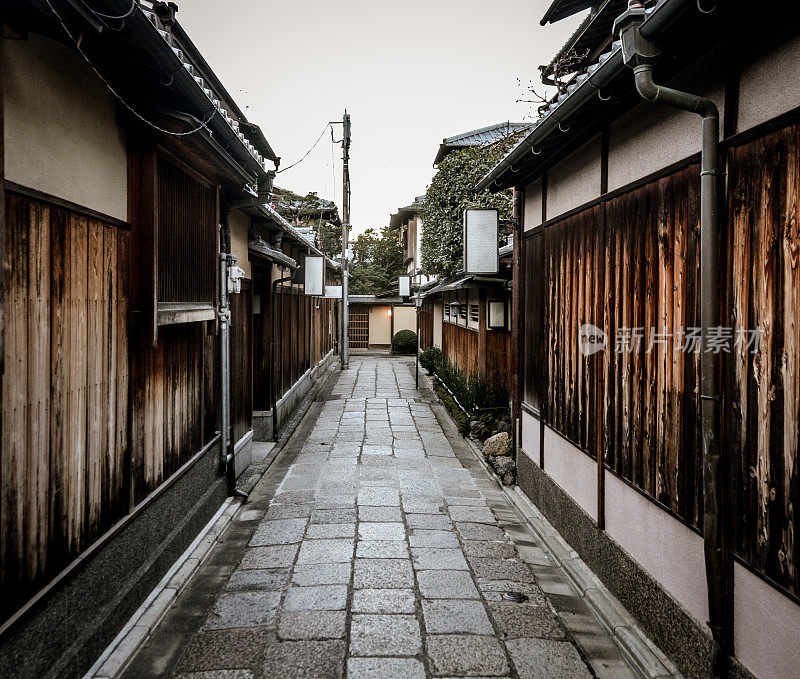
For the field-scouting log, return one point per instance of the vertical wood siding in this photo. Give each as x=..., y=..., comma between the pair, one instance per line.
x=64, y=406
x=632, y=262
x=762, y=398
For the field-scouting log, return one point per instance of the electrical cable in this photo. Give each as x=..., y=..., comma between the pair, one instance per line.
x=111, y=16
x=203, y=123
x=305, y=155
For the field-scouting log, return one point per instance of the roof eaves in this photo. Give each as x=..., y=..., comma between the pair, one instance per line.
x=181, y=46
x=276, y=217
x=585, y=86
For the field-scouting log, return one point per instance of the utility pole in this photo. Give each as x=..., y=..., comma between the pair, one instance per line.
x=345, y=235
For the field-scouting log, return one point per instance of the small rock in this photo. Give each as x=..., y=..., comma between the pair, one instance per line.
x=504, y=467
x=499, y=444
x=504, y=427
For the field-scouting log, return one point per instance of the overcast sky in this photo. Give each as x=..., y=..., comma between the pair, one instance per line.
x=409, y=73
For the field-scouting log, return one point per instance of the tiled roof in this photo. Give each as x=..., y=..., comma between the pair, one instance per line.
x=483, y=136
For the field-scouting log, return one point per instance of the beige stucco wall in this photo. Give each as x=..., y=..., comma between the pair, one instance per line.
x=61, y=132
x=766, y=627
x=575, y=180
x=532, y=210
x=240, y=224
x=651, y=137
x=380, y=325
x=405, y=318
x=768, y=86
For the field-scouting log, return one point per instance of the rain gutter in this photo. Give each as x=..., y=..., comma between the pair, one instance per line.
x=608, y=70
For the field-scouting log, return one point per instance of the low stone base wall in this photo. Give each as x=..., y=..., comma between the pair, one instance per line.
x=67, y=630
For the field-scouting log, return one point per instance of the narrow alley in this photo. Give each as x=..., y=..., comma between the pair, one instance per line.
x=377, y=546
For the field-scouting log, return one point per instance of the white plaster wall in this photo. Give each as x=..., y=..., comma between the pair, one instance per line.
x=380, y=325
x=532, y=210
x=571, y=469
x=438, y=311
x=575, y=180
x=61, y=131
x=766, y=627
x=530, y=436
x=768, y=86
x=240, y=224
x=662, y=545
x=650, y=136
x=405, y=318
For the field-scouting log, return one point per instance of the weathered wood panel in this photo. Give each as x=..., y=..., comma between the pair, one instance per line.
x=630, y=267
x=65, y=390
x=460, y=347
x=622, y=267
x=763, y=386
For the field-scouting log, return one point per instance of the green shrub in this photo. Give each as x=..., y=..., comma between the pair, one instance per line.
x=429, y=357
x=404, y=342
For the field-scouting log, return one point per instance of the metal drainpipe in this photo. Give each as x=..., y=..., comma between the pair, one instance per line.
x=639, y=53
x=226, y=260
x=274, y=403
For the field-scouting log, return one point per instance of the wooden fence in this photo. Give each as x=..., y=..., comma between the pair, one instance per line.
x=629, y=266
x=65, y=390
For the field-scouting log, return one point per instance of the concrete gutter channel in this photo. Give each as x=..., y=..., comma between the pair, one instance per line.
x=136, y=632
x=644, y=656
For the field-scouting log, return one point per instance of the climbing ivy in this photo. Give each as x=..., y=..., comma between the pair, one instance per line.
x=451, y=191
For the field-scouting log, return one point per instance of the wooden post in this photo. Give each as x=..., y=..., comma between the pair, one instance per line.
x=517, y=322
x=482, y=367
x=2, y=216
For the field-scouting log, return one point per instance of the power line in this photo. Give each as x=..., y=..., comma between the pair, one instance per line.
x=305, y=155
x=203, y=123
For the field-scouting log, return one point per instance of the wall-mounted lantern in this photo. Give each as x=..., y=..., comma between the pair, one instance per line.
x=404, y=286
x=481, y=251
x=497, y=314
x=314, y=271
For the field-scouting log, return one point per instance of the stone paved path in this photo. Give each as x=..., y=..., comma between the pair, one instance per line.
x=372, y=549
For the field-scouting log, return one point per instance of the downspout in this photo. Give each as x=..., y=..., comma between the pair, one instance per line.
x=274, y=403
x=226, y=260
x=639, y=53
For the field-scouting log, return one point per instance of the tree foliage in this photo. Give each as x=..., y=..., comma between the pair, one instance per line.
x=377, y=261
x=452, y=190
x=315, y=212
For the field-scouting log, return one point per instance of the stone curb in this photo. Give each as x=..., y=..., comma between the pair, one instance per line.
x=137, y=630
x=645, y=657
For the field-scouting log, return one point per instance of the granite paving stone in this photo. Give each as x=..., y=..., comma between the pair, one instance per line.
x=466, y=655
x=322, y=574
x=315, y=598
x=383, y=573
x=376, y=635
x=376, y=546
x=426, y=558
x=545, y=659
x=463, y=616
x=383, y=601
x=382, y=549
x=385, y=668
x=312, y=625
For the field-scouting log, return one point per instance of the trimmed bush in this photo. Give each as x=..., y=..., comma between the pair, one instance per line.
x=404, y=342
x=429, y=357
